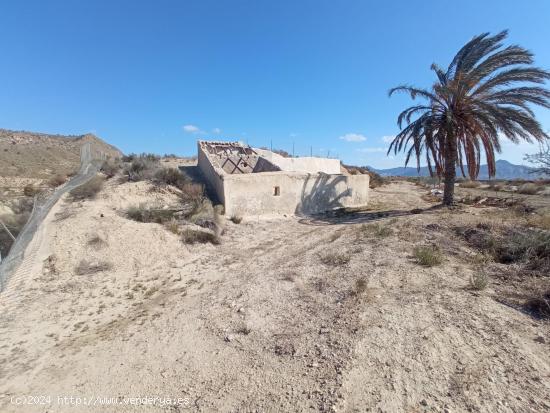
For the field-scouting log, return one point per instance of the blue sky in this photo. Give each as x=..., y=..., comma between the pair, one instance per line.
x=312, y=73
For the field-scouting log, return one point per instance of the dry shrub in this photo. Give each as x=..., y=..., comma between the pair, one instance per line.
x=30, y=190
x=539, y=306
x=87, y=190
x=57, y=180
x=192, y=236
x=529, y=247
x=171, y=176
x=236, y=219
x=541, y=220
x=141, y=167
x=479, y=280
x=529, y=189
x=173, y=226
x=479, y=237
x=92, y=267
x=144, y=213
x=360, y=287
x=335, y=259
x=428, y=255
x=375, y=230
x=469, y=184
x=110, y=168
x=193, y=193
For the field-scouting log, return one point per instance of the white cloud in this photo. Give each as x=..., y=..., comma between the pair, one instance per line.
x=372, y=150
x=388, y=138
x=217, y=131
x=191, y=129
x=353, y=137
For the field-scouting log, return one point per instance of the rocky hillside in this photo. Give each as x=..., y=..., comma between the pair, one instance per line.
x=41, y=156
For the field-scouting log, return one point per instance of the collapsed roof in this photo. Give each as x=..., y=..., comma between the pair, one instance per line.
x=235, y=158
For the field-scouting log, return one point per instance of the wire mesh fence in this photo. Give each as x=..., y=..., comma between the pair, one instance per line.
x=41, y=208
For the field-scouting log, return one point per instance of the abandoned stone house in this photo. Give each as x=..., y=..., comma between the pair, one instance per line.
x=251, y=181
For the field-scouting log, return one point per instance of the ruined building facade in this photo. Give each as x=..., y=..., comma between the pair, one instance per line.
x=250, y=181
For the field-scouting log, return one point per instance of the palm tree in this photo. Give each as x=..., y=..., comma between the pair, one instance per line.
x=485, y=94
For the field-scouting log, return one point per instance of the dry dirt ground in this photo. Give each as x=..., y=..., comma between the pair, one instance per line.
x=259, y=322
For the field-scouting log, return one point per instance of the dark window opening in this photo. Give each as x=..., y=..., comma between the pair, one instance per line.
x=276, y=191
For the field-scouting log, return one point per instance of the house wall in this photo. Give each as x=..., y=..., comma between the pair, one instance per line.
x=304, y=164
x=213, y=176
x=299, y=193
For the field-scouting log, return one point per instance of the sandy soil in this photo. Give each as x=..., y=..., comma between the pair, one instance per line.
x=259, y=323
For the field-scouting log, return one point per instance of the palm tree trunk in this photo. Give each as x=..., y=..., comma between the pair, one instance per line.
x=450, y=170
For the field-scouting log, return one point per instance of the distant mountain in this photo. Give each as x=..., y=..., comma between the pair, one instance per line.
x=505, y=170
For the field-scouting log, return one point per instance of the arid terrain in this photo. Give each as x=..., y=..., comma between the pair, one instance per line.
x=33, y=164
x=332, y=313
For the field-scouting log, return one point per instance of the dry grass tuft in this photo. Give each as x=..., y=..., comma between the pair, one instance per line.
x=173, y=226
x=192, y=236
x=57, y=180
x=144, y=213
x=428, y=255
x=360, y=287
x=541, y=220
x=375, y=230
x=335, y=259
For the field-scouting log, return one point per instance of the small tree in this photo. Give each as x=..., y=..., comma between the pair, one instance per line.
x=541, y=160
